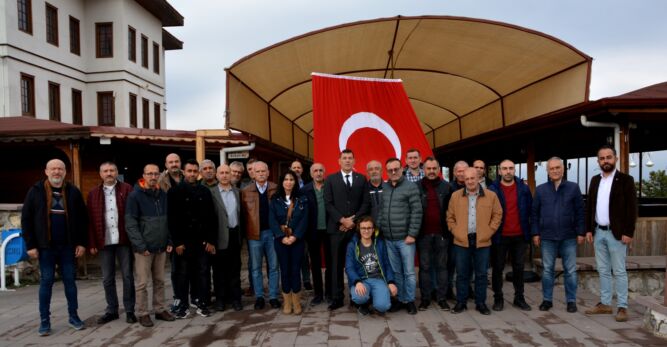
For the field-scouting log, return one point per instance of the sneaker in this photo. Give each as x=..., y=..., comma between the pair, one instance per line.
x=76, y=323
x=274, y=303
x=259, y=304
x=411, y=308
x=600, y=308
x=175, y=306
x=424, y=304
x=572, y=307
x=498, y=304
x=45, y=327
x=145, y=321
x=622, y=315
x=203, y=311
x=130, y=318
x=546, y=305
x=107, y=317
x=165, y=316
x=182, y=313
x=363, y=310
x=443, y=305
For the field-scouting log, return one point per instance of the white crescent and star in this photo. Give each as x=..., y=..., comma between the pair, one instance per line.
x=370, y=120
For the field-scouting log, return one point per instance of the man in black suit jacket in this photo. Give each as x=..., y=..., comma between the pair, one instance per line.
x=611, y=215
x=346, y=198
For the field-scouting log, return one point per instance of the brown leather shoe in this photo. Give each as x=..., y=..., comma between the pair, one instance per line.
x=146, y=321
x=600, y=308
x=164, y=315
x=622, y=315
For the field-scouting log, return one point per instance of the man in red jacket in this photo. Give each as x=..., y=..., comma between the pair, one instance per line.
x=107, y=236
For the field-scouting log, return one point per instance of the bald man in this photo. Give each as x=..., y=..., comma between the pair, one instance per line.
x=55, y=228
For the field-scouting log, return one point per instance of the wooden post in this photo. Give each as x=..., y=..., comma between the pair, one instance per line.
x=530, y=165
x=624, y=145
x=200, y=146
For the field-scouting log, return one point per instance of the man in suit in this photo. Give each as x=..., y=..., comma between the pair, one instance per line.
x=227, y=259
x=346, y=198
x=610, y=218
x=317, y=233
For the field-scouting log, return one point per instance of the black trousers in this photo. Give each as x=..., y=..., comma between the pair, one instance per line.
x=192, y=271
x=337, y=246
x=515, y=246
x=317, y=241
x=433, y=250
x=227, y=269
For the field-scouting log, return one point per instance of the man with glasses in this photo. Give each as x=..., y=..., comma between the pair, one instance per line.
x=399, y=221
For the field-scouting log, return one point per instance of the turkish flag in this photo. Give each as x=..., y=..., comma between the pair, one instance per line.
x=372, y=117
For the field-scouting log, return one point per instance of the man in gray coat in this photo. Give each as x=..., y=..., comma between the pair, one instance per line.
x=400, y=220
x=227, y=259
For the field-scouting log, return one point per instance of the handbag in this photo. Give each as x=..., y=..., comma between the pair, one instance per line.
x=285, y=228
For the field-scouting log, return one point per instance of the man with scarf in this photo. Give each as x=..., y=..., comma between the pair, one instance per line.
x=55, y=225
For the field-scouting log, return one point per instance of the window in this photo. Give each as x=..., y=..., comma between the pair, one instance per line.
x=51, y=24
x=145, y=111
x=144, y=51
x=54, y=101
x=25, y=15
x=132, y=44
x=77, y=107
x=104, y=40
x=74, y=36
x=156, y=115
x=105, y=109
x=133, y=110
x=27, y=95
x=156, y=58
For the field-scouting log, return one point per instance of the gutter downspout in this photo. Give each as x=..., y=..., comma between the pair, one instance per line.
x=617, y=133
x=224, y=151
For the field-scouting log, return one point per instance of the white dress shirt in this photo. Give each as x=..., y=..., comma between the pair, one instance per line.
x=602, y=204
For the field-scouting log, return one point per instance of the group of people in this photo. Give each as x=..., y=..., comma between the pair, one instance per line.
x=370, y=229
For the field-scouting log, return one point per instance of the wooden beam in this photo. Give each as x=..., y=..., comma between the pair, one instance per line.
x=624, y=145
x=530, y=165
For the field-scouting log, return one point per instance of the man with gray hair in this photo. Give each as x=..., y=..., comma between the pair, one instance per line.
x=317, y=233
x=458, y=183
x=374, y=172
x=459, y=174
x=237, y=170
x=207, y=172
x=559, y=208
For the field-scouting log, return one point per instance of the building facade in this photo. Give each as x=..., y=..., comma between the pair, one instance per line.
x=86, y=62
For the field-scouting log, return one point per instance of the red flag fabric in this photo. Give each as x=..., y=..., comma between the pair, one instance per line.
x=372, y=117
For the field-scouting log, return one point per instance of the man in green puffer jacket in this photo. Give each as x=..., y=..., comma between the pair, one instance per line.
x=400, y=219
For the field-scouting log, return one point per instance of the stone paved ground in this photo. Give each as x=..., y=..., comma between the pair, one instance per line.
x=318, y=327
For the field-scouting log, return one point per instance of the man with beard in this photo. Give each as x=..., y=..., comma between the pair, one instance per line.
x=193, y=227
x=317, y=233
x=55, y=226
x=172, y=175
x=513, y=234
x=237, y=170
x=610, y=217
x=374, y=172
x=207, y=172
x=434, y=238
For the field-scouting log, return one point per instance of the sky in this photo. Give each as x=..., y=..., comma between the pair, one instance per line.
x=627, y=39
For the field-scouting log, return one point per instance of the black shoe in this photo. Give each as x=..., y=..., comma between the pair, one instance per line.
x=423, y=306
x=259, y=304
x=237, y=305
x=498, y=304
x=274, y=303
x=396, y=306
x=443, y=305
x=483, y=309
x=328, y=299
x=335, y=304
x=106, y=318
x=363, y=309
x=411, y=308
x=521, y=303
x=130, y=318
x=572, y=307
x=317, y=299
x=307, y=286
x=459, y=307
x=546, y=305
x=219, y=306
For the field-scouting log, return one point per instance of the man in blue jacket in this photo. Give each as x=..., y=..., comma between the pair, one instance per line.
x=558, y=226
x=513, y=234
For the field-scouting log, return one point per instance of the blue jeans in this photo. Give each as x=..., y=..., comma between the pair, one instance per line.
x=402, y=260
x=48, y=258
x=480, y=264
x=259, y=249
x=568, y=251
x=610, y=257
x=108, y=256
x=377, y=289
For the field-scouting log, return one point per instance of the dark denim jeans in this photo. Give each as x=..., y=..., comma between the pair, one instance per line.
x=480, y=263
x=433, y=251
x=108, y=256
x=290, y=259
x=48, y=258
x=515, y=246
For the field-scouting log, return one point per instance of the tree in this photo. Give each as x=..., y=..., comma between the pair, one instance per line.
x=656, y=185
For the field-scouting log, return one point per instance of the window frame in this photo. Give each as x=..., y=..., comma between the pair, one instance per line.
x=51, y=25
x=156, y=57
x=145, y=112
x=144, y=51
x=156, y=115
x=31, y=94
x=131, y=44
x=77, y=106
x=54, y=101
x=74, y=36
x=100, y=109
x=133, y=110
x=98, y=40
x=27, y=14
